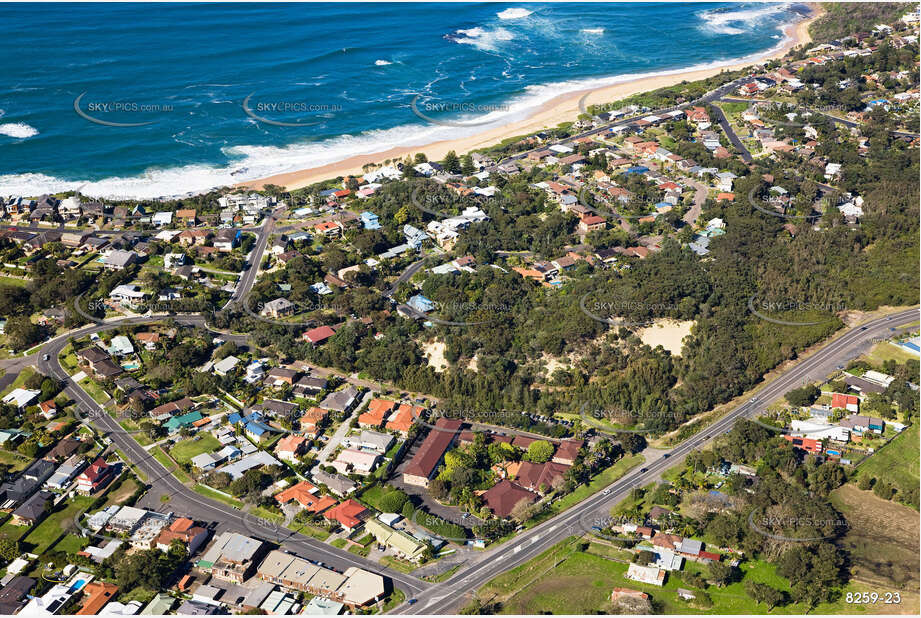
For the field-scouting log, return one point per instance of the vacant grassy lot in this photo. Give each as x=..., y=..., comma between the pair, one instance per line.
x=49, y=529
x=184, y=451
x=897, y=462
x=882, y=539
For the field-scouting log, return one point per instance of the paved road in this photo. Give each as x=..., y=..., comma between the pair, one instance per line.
x=184, y=500
x=254, y=262
x=448, y=596
x=733, y=138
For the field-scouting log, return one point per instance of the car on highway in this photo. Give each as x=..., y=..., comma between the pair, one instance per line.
x=665, y=455
x=644, y=469
x=412, y=601
x=753, y=399
x=606, y=491
x=45, y=357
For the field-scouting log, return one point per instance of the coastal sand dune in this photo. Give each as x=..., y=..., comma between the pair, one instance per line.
x=560, y=109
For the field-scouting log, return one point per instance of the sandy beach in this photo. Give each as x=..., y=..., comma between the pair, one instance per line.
x=555, y=111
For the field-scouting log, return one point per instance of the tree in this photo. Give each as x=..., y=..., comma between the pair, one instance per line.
x=393, y=501
x=467, y=167
x=763, y=593
x=451, y=163
x=720, y=573
x=644, y=557
x=22, y=333
x=539, y=451
x=9, y=548
x=865, y=482
x=803, y=396
x=633, y=442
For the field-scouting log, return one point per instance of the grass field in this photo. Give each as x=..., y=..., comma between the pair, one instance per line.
x=882, y=538
x=884, y=351
x=160, y=455
x=897, y=462
x=184, y=451
x=14, y=460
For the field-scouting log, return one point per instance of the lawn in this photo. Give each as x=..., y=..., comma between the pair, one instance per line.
x=184, y=451
x=214, y=495
x=897, y=462
x=884, y=351
x=49, y=529
x=397, y=565
x=20, y=380
x=71, y=544
x=14, y=460
x=160, y=455
x=312, y=531
x=394, y=599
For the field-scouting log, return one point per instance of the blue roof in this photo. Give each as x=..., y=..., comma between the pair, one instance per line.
x=421, y=303
x=257, y=429
x=234, y=418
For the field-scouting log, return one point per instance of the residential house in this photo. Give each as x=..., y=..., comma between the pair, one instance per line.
x=349, y=514
x=503, y=498
x=232, y=557
x=95, y=477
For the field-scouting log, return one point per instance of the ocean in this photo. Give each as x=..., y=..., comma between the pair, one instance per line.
x=150, y=100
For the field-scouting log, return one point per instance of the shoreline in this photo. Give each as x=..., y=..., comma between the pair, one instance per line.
x=562, y=108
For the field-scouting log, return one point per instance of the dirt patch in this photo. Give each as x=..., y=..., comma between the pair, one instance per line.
x=434, y=352
x=882, y=539
x=669, y=334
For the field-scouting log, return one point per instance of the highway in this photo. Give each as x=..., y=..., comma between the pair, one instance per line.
x=449, y=596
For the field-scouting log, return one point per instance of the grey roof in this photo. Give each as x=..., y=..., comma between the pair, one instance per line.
x=690, y=546
x=336, y=483
x=340, y=401
x=34, y=507
x=195, y=608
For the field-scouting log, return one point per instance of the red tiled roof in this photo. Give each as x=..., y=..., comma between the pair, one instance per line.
x=319, y=334
x=433, y=448
x=505, y=495
x=348, y=513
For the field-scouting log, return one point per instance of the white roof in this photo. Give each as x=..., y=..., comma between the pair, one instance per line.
x=226, y=364
x=127, y=291
x=21, y=397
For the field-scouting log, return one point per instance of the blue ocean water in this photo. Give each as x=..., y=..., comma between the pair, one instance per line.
x=320, y=82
